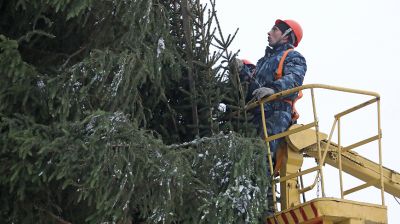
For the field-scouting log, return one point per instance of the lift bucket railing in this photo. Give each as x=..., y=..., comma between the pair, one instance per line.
x=323, y=152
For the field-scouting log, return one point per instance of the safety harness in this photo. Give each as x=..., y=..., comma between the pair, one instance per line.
x=278, y=75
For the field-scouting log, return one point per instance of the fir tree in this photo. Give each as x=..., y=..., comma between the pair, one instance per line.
x=109, y=113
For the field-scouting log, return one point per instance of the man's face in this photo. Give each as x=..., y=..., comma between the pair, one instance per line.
x=274, y=36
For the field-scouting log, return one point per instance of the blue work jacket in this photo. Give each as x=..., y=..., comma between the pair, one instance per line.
x=294, y=70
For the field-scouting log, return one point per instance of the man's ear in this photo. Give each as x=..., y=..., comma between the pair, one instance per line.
x=285, y=39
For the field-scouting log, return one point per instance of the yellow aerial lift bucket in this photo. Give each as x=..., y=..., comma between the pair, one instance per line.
x=307, y=140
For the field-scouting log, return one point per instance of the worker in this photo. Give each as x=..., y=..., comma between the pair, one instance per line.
x=246, y=70
x=284, y=35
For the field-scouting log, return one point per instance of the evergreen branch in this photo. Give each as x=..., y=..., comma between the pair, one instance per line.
x=72, y=55
x=58, y=218
x=200, y=140
x=27, y=37
x=51, y=214
x=195, y=142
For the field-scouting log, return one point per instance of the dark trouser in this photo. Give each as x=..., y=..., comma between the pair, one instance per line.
x=277, y=121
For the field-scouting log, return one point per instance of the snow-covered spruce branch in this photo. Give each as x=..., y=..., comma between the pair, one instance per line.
x=201, y=140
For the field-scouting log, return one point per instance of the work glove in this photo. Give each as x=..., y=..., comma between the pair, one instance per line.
x=263, y=92
x=239, y=64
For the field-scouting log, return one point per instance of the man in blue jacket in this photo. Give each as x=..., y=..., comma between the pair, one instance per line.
x=284, y=35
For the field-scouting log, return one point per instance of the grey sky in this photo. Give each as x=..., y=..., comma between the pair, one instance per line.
x=352, y=44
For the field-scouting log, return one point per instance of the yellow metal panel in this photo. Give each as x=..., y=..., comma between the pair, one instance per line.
x=353, y=221
x=290, y=189
x=332, y=210
x=335, y=208
x=303, y=139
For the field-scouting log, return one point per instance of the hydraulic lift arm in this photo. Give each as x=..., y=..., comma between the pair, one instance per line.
x=360, y=167
x=304, y=144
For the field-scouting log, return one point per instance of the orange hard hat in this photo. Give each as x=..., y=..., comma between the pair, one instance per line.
x=295, y=26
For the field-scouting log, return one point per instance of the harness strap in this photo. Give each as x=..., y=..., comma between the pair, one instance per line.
x=281, y=153
x=278, y=75
x=295, y=114
x=279, y=71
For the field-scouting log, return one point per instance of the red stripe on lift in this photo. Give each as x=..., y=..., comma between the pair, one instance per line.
x=314, y=209
x=303, y=214
x=285, y=218
x=294, y=216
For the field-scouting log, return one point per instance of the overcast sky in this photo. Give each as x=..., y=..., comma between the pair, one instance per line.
x=348, y=43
